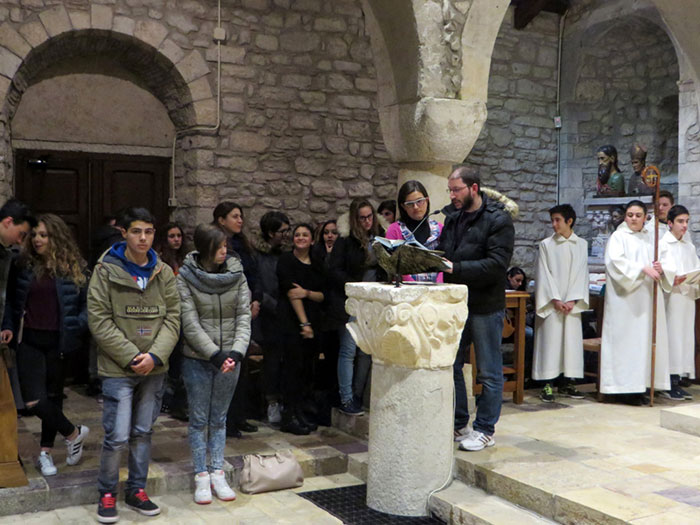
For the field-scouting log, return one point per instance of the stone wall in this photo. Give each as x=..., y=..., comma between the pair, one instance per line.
x=299, y=127
x=516, y=152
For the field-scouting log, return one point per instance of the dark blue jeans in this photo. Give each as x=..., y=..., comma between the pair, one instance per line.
x=485, y=332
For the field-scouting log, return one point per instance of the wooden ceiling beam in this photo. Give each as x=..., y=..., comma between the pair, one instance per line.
x=527, y=10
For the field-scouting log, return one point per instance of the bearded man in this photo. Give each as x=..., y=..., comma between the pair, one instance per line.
x=478, y=240
x=611, y=183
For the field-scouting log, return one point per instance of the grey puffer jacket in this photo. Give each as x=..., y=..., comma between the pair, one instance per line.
x=215, y=310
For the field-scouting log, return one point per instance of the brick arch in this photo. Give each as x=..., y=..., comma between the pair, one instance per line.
x=177, y=77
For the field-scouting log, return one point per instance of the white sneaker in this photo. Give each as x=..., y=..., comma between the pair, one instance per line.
x=274, y=414
x=202, y=488
x=75, y=447
x=476, y=441
x=46, y=464
x=220, y=487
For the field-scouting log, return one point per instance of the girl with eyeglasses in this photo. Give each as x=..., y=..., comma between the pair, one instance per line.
x=353, y=260
x=415, y=224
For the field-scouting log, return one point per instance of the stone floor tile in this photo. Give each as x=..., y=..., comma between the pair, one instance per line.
x=605, y=502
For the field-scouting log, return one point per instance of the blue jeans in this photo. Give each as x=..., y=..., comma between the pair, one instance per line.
x=209, y=394
x=485, y=332
x=131, y=406
x=350, y=380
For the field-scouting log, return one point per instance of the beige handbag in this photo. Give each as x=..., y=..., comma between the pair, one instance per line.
x=275, y=472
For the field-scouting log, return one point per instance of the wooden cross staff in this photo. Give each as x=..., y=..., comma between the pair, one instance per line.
x=651, y=177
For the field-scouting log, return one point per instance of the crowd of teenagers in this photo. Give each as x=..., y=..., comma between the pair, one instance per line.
x=177, y=326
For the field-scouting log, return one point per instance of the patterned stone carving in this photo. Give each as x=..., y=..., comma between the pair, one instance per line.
x=453, y=25
x=414, y=326
x=692, y=141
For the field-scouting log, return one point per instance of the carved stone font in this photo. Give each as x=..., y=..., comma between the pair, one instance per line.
x=412, y=333
x=415, y=326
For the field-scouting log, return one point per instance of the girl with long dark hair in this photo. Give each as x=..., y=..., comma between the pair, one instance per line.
x=171, y=246
x=415, y=224
x=228, y=217
x=301, y=284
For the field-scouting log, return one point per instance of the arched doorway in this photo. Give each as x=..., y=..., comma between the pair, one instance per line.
x=93, y=115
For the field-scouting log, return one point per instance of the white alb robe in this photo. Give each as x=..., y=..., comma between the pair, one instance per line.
x=678, y=258
x=562, y=274
x=626, y=341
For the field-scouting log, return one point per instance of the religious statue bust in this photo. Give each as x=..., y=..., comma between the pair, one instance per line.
x=636, y=185
x=610, y=183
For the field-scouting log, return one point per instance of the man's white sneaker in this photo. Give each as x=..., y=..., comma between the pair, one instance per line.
x=274, y=414
x=476, y=441
x=46, y=464
x=220, y=487
x=75, y=447
x=202, y=488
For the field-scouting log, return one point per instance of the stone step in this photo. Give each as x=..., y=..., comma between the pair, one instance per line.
x=684, y=418
x=465, y=505
x=80, y=488
x=356, y=426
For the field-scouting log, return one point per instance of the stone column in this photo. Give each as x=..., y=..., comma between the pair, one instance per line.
x=412, y=333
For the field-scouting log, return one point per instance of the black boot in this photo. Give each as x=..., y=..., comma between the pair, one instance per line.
x=305, y=421
x=291, y=424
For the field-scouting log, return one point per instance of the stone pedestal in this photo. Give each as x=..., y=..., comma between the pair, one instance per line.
x=412, y=333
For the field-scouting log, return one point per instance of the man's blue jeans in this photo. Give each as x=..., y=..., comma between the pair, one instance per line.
x=351, y=380
x=485, y=332
x=209, y=394
x=131, y=406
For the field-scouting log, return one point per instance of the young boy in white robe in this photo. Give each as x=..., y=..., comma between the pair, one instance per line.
x=630, y=272
x=678, y=257
x=561, y=295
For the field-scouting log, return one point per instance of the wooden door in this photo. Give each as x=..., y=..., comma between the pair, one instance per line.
x=83, y=188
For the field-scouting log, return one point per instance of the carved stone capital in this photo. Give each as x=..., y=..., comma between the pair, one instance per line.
x=432, y=129
x=413, y=326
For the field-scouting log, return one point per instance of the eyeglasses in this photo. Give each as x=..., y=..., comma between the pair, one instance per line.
x=456, y=190
x=284, y=231
x=366, y=218
x=416, y=203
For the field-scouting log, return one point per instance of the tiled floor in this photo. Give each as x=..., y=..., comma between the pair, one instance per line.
x=591, y=460
x=285, y=507
x=321, y=453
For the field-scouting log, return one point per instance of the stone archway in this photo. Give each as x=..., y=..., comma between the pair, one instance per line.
x=432, y=61
x=181, y=79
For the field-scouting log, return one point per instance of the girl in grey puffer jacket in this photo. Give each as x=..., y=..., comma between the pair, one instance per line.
x=216, y=327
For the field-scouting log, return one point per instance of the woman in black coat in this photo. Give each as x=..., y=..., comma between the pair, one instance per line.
x=47, y=298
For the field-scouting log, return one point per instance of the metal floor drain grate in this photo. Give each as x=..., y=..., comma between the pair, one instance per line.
x=349, y=505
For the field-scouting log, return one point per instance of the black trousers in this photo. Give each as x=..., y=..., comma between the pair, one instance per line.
x=297, y=372
x=41, y=374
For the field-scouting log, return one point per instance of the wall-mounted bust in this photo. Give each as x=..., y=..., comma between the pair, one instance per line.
x=610, y=183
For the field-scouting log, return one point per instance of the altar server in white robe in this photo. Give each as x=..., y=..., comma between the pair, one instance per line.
x=630, y=273
x=678, y=257
x=560, y=297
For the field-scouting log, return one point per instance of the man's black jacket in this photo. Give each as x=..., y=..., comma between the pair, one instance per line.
x=480, y=250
